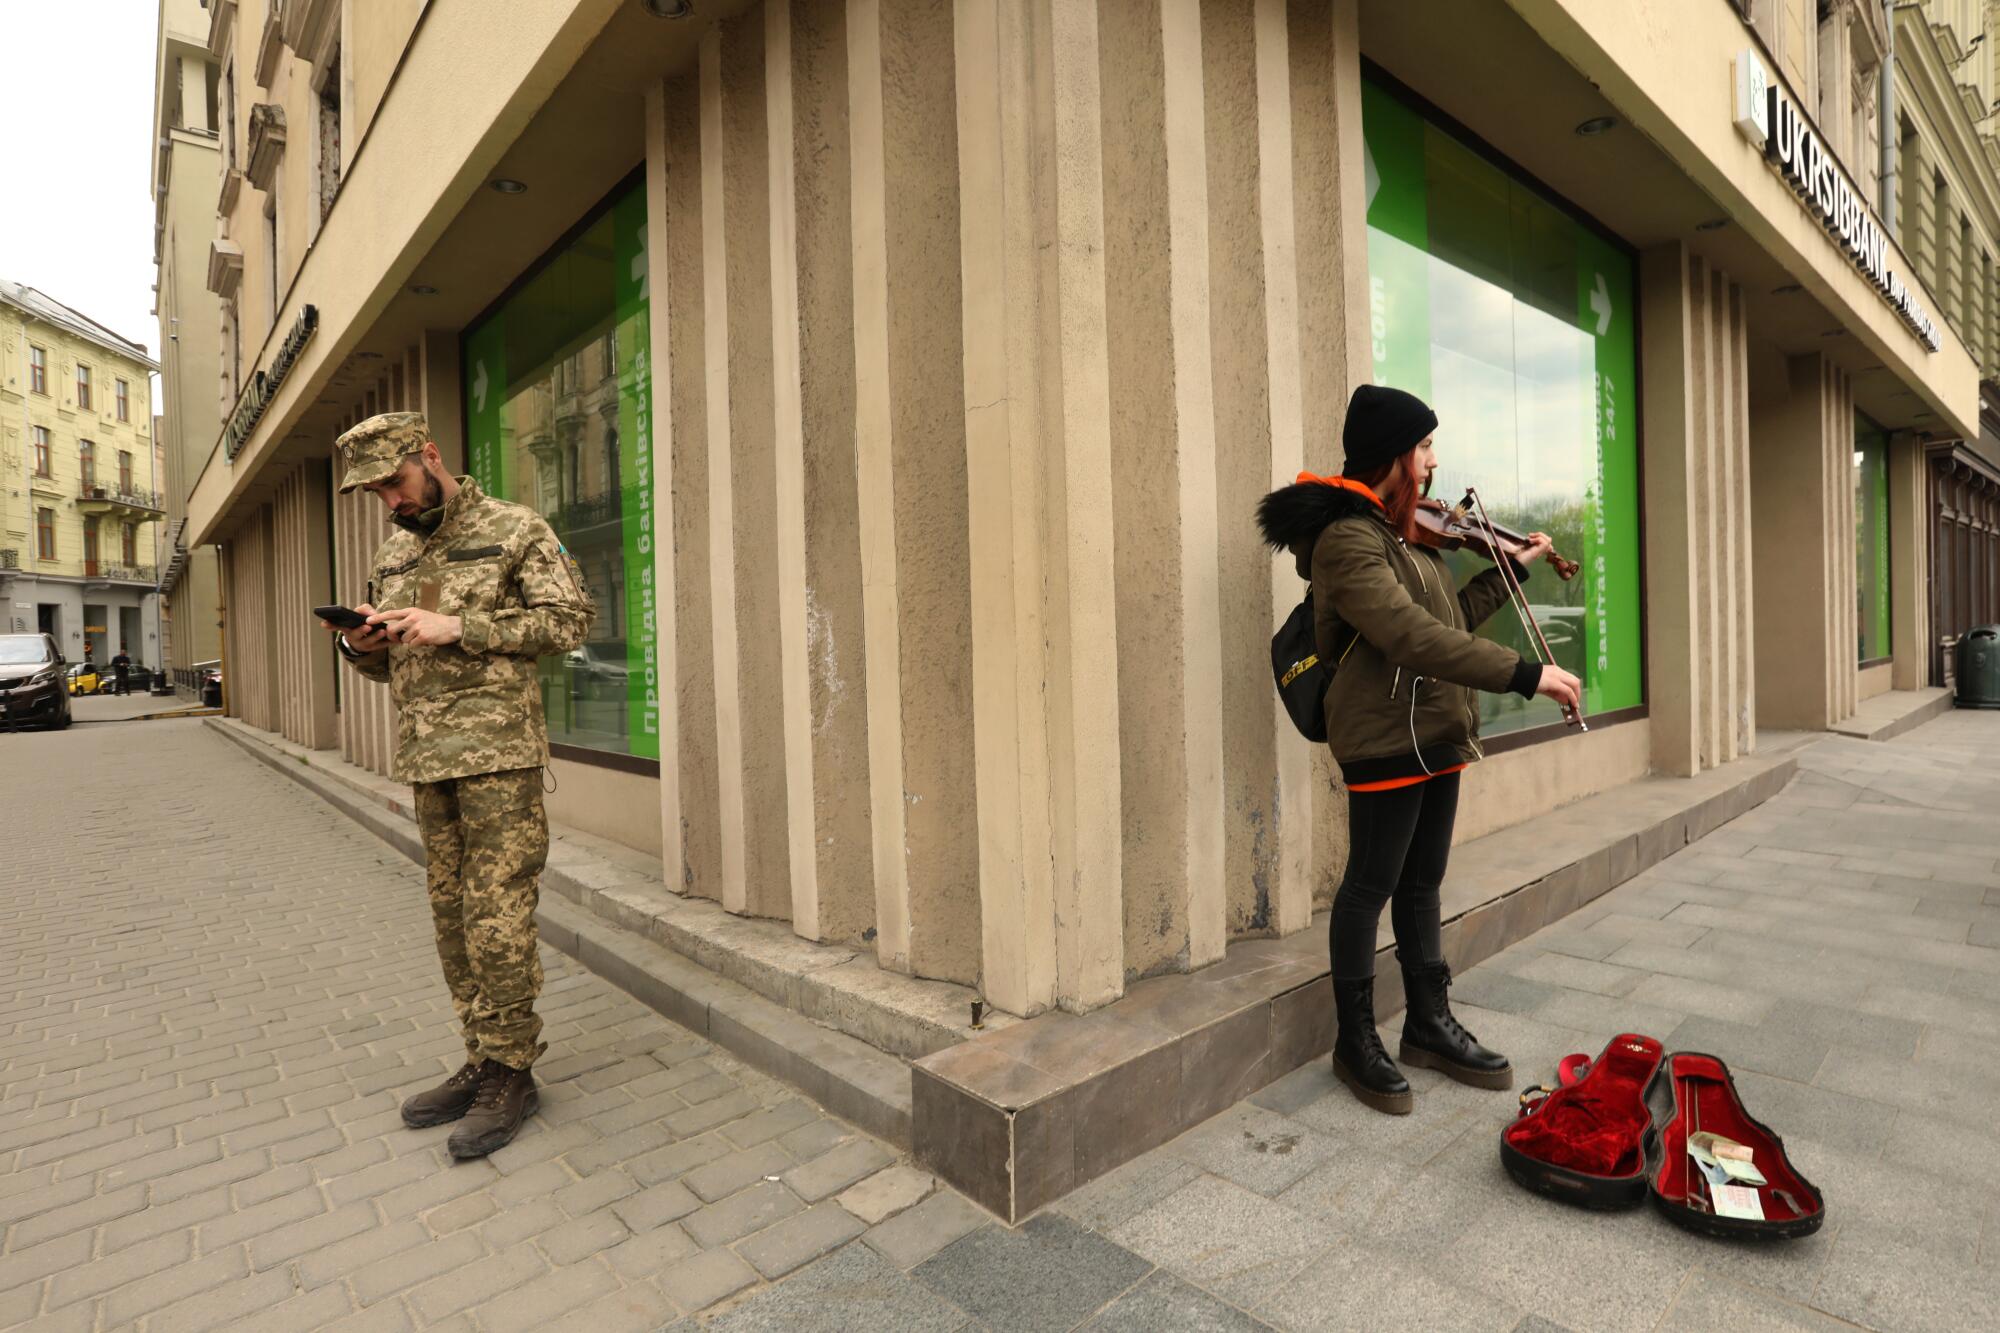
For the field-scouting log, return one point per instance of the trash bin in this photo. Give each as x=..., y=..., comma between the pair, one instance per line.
x=1979, y=667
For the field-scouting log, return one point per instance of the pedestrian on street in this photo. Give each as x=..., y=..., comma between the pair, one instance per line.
x=462, y=600
x=1402, y=721
x=121, y=672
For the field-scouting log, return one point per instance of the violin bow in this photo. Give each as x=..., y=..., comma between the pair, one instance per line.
x=1573, y=716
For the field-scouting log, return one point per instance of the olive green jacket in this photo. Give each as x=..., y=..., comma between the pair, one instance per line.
x=1399, y=633
x=475, y=706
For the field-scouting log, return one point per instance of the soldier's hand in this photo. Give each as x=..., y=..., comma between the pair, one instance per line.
x=366, y=639
x=412, y=624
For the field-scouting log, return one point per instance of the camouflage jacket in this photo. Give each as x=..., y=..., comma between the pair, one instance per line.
x=475, y=706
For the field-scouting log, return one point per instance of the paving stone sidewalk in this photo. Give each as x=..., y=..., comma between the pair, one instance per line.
x=212, y=998
x=215, y=990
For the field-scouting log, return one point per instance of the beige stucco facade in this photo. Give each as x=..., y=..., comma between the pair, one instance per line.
x=976, y=331
x=184, y=182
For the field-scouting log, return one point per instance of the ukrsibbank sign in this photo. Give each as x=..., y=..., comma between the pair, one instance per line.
x=1769, y=118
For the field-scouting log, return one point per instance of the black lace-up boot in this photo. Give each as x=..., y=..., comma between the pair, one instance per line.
x=1359, y=1060
x=446, y=1102
x=1433, y=1039
x=506, y=1097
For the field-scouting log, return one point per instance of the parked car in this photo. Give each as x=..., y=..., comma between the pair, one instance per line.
x=598, y=670
x=209, y=678
x=32, y=688
x=83, y=679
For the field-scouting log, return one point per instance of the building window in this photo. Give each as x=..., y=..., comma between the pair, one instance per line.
x=271, y=233
x=45, y=533
x=86, y=462
x=124, y=471
x=90, y=555
x=1871, y=540
x=122, y=394
x=38, y=370
x=1514, y=319
x=329, y=138
x=82, y=387
x=129, y=545
x=229, y=117
x=544, y=400
x=40, y=435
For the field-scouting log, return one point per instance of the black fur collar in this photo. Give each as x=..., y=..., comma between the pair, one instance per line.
x=1300, y=512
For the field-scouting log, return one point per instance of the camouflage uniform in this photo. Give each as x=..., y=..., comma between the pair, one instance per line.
x=471, y=738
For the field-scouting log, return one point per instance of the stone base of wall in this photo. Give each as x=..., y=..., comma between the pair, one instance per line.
x=1017, y=1119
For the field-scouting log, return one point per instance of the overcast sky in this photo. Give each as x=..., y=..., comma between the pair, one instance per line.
x=76, y=101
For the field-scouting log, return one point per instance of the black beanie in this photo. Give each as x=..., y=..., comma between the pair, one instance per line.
x=1382, y=424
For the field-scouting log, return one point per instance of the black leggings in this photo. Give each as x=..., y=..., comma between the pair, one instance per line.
x=1399, y=842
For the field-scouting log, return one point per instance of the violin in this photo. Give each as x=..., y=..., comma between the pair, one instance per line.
x=1466, y=525
x=1452, y=527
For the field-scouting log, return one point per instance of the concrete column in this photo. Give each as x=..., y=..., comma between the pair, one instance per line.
x=315, y=567
x=1668, y=361
x=1804, y=639
x=1163, y=462
x=827, y=649
x=729, y=746
x=1719, y=449
x=1240, y=338
x=1704, y=458
x=440, y=393
x=1329, y=199
x=1083, y=621
x=757, y=528
x=788, y=527
x=681, y=395
x=1909, y=564
x=1739, y=547
x=911, y=463
x=995, y=47
x=1040, y=526
x=660, y=370
x=1292, y=908
x=875, y=476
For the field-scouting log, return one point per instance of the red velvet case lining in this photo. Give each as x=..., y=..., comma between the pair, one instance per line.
x=1701, y=1085
x=1597, y=1126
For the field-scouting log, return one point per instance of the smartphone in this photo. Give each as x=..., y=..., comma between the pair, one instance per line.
x=341, y=616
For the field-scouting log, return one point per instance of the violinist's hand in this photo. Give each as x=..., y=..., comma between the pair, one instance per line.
x=1539, y=545
x=1560, y=686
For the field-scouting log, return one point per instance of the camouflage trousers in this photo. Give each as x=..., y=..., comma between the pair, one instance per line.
x=485, y=841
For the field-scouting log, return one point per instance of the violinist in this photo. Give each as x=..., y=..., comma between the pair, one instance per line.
x=1402, y=722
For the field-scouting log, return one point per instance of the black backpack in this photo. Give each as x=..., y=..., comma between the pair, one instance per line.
x=1301, y=676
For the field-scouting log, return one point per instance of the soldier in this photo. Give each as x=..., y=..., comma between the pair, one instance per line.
x=461, y=601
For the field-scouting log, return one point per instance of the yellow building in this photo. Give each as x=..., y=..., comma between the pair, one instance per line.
x=186, y=175
x=81, y=495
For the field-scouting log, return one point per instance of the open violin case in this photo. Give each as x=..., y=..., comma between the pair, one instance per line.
x=1593, y=1141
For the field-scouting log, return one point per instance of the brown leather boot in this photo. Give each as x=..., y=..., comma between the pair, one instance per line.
x=446, y=1102
x=506, y=1097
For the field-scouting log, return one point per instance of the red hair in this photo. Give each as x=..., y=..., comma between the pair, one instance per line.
x=1399, y=502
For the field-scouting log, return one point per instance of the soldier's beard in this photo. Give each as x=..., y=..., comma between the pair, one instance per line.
x=425, y=515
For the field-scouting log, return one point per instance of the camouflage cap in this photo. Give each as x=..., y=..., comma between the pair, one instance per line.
x=373, y=450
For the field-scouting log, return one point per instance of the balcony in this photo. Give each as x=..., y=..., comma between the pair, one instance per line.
x=104, y=571
x=267, y=144
x=94, y=496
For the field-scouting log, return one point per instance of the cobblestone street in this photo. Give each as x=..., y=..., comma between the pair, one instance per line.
x=217, y=989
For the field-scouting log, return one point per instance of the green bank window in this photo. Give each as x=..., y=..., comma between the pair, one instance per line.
x=1871, y=544
x=558, y=410
x=1515, y=321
